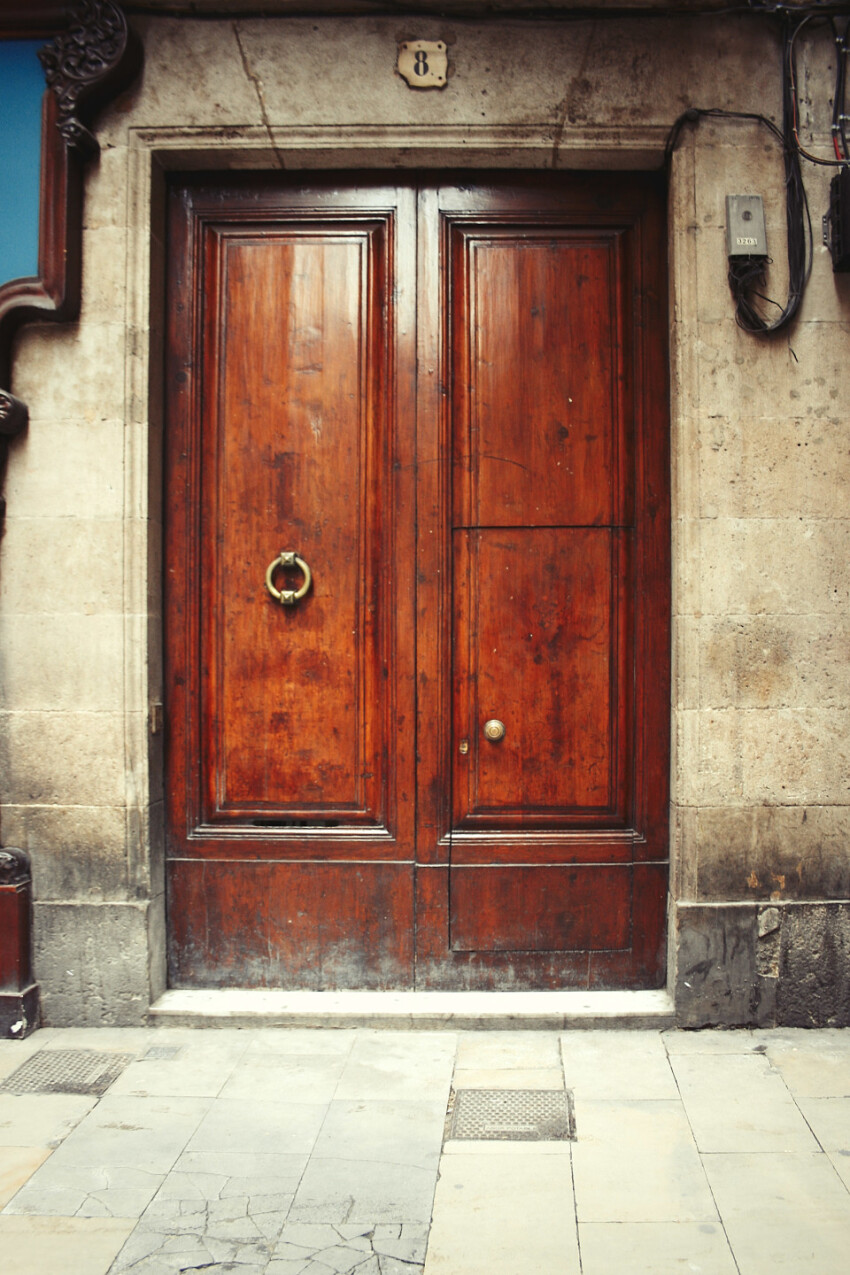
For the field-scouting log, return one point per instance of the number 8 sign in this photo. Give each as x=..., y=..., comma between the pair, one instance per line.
x=423, y=63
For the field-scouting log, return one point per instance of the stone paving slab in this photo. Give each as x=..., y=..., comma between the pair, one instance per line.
x=503, y=1215
x=74, y=1246
x=17, y=1165
x=631, y=1065
x=402, y=1065
x=637, y=1162
x=40, y=1119
x=812, y=1073
x=403, y=1133
x=340, y=1190
x=382, y=1249
x=75, y=1190
x=739, y=1103
x=276, y=1077
x=655, y=1248
x=782, y=1212
x=259, y=1127
x=134, y=1133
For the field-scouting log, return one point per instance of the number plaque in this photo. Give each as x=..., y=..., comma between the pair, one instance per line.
x=423, y=63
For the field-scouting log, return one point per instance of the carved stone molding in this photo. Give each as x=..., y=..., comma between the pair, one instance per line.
x=90, y=59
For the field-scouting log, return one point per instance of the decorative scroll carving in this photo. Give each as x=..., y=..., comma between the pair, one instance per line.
x=14, y=866
x=87, y=63
x=79, y=64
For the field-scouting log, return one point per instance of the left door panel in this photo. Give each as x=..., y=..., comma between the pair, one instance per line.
x=290, y=429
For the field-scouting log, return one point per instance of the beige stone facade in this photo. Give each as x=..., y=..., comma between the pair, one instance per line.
x=760, y=817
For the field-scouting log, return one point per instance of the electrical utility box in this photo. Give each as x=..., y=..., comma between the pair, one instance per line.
x=836, y=223
x=745, y=232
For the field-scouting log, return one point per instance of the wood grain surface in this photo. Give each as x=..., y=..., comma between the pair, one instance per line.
x=450, y=400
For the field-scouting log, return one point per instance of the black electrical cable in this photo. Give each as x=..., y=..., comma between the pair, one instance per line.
x=790, y=60
x=747, y=274
x=839, y=100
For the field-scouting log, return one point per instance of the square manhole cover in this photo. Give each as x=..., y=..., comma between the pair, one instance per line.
x=512, y=1115
x=80, y=1071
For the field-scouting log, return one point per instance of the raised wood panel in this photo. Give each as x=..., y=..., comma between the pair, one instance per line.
x=294, y=429
x=266, y=924
x=538, y=377
x=539, y=618
x=439, y=967
x=562, y=909
x=289, y=428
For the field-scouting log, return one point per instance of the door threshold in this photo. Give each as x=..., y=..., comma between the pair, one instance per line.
x=459, y=1011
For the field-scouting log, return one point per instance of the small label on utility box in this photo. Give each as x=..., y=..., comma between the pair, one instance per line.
x=745, y=232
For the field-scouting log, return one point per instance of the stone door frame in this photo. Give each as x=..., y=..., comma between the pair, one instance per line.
x=153, y=152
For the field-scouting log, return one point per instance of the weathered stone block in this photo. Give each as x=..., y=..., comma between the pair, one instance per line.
x=709, y=768
x=772, y=852
x=77, y=852
x=770, y=661
x=814, y=967
x=88, y=552
x=779, y=566
x=88, y=481
x=193, y=72
x=717, y=981
x=62, y=759
x=787, y=965
x=105, y=200
x=104, y=295
x=76, y=370
x=71, y=663
x=758, y=467
x=795, y=756
x=92, y=959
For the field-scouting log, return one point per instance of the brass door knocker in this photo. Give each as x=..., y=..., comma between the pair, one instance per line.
x=288, y=597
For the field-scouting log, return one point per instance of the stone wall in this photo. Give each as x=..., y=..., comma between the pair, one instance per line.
x=760, y=926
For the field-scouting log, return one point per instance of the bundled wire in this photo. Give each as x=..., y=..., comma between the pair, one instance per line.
x=747, y=274
x=839, y=100
x=839, y=119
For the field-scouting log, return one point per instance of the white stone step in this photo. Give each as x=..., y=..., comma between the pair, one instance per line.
x=462, y=1011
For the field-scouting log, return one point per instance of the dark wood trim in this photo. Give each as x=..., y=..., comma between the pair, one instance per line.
x=92, y=57
x=33, y=20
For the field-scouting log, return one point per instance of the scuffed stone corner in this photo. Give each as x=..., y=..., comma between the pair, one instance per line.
x=814, y=966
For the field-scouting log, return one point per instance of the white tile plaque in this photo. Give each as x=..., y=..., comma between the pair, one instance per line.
x=423, y=63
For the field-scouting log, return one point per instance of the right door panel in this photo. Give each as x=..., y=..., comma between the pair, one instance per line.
x=556, y=523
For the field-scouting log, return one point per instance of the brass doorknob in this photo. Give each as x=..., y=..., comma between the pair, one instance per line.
x=494, y=730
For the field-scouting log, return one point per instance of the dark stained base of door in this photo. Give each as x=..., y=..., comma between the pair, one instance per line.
x=353, y=926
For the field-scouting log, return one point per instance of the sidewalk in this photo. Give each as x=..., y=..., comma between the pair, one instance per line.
x=272, y=1151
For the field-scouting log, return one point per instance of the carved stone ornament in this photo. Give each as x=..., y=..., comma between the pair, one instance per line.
x=14, y=866
x=79, y=62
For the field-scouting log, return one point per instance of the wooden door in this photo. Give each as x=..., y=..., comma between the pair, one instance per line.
x=450, y=402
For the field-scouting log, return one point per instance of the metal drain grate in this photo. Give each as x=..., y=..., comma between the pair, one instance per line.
x=80, y=1071
x=512, y=1115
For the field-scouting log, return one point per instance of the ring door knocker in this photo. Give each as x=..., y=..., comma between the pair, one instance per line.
x=288, y=597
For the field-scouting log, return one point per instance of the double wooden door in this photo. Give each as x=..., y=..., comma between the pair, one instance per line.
x=443, y=406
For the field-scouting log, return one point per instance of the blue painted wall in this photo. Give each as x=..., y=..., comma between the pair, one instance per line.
x=21, y=90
